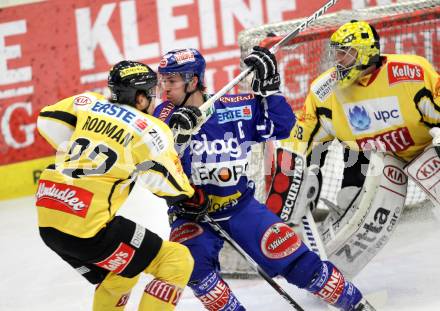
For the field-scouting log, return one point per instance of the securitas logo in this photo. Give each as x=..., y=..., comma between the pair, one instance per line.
x=234, y=114
x=373, y=115
x=402, y=72
x=359, y=118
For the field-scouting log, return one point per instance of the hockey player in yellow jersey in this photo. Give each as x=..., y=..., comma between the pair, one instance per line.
x=368, y=101
x=103, y=147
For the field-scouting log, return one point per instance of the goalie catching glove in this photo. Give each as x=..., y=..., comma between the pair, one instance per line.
x=266, y=80
x=185, y=118
x=194, y=208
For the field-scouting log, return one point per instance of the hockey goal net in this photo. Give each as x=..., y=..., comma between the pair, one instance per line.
x=405, y=28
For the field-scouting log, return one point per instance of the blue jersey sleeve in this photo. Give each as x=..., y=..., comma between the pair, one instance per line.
x=274, y=118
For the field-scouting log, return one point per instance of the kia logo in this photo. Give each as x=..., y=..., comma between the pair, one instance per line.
x=394, y=175
x=429, y=168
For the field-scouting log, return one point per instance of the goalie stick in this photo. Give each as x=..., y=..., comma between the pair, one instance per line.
x=252, y=262
x=207, y=108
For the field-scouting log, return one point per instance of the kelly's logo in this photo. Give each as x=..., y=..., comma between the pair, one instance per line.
x=402, y=72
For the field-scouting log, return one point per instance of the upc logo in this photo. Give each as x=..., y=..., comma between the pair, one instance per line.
x=359, y=118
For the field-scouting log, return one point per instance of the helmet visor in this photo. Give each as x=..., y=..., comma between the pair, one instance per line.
x=174, y=80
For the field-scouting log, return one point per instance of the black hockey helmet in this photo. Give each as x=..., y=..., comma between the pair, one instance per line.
x=126, y=78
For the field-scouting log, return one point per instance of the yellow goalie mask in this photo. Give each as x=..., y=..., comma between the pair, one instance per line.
x=353, y=48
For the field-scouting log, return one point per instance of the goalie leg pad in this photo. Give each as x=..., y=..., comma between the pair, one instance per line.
x=424, y=171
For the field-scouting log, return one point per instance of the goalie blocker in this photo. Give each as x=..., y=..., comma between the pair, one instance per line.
x=351, y=238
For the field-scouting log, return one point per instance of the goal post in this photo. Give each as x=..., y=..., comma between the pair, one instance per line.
x=411, y=27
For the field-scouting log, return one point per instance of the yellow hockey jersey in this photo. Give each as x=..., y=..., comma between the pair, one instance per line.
x=390, y=110
x=102, y=148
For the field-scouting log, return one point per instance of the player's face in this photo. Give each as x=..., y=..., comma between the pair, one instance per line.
x=172, y=87
x=345, y=57
x=144, y=103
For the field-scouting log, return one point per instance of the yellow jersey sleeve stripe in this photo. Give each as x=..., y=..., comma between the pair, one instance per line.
x=157, y=167
x=60, y=115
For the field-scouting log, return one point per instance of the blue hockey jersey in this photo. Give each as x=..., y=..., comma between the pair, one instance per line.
x=217, y=156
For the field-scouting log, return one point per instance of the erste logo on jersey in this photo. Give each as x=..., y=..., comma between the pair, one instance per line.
x=64, y=198
x=372, y=115
x=140, y=124
x=220, y=174
x=403, y=72
x=234, y=114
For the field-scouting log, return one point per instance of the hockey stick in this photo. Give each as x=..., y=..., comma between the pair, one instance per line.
x=207, y=108
x=252, y=262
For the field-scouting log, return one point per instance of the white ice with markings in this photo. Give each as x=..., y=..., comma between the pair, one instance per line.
x=405, y=275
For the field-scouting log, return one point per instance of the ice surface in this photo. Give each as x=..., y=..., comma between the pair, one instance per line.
x=32, y=277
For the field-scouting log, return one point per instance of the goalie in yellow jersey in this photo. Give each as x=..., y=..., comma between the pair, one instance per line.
x=385, y=110
x=103, y=147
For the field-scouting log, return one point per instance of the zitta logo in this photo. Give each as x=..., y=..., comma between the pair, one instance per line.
x=234, y=113
x=229, y=146
x=359, y=118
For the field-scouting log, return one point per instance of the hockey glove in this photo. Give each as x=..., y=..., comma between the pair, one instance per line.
x=194, y=208
x=266, y=80
x=185, y=118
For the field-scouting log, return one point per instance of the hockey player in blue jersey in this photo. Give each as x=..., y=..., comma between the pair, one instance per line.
x=216, y=162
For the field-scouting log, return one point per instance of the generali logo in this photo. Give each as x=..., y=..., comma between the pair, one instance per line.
x=429, y=168
x=403, y=72
x=395, y=175
x=64, y=198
